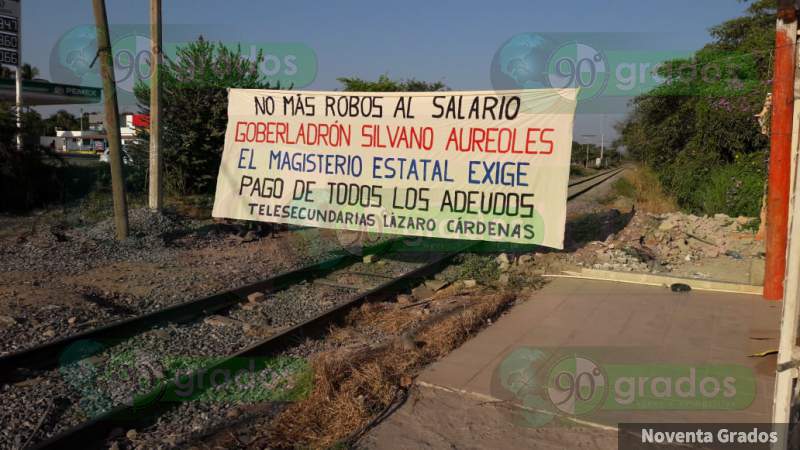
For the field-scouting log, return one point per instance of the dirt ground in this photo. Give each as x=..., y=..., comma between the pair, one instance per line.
x=56, y=281
x=435, y=418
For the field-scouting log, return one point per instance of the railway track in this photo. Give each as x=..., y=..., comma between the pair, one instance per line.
x=578, y=187
x=252, y=328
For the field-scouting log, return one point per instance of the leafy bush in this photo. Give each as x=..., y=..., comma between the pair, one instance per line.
x=623, y=188
x=481, y=268
x=28, y=178
x=698, y=131
x=734, y=189
x=195, y=111
x=386, y=84
x=134, y=171
x=577, y=171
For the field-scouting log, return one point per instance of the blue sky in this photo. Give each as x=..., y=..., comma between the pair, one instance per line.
x=431, y=40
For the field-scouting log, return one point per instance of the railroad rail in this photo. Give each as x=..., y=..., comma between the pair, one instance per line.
x=94, y=433
x=597, y=180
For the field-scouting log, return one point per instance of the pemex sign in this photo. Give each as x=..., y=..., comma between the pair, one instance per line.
x=485, y=165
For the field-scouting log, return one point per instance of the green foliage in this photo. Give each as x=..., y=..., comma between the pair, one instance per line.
x=195, y=111
x=385, y=84
x=581, y=152
x=28, y=72
x=61, y=120
x=577, y=171
x=624, y=188
x=31, y=177
x=735, y=189
x=134, y=171
x=691, y=128
x=481, y=268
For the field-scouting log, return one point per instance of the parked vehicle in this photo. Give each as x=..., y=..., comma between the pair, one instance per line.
x=126, y=158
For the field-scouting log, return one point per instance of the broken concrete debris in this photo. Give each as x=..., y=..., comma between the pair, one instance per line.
x=662, y=242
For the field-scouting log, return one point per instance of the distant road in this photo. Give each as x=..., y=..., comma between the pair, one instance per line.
x=79, y=155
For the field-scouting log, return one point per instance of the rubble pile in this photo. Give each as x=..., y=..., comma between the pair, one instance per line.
x=660, y=242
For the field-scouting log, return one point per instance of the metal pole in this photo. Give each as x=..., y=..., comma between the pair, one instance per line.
x=780, y=150
x=112, y=118
x=19, y=107
x=602, y=140
x=586, y=146
x=586, y=163
x=155, y=198
x=18, y=83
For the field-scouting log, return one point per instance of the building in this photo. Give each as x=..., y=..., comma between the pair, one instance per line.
x=93, y=138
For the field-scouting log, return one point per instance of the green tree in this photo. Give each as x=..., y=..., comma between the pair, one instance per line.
x=702, y=119
x=29, y=72
x=195, y=111
x=61, y=120
x=28, y=178
x=385, y=84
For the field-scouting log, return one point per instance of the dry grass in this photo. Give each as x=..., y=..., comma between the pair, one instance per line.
x=387, y=318
x=443, y=336
x=351, y=388
x=642, y=184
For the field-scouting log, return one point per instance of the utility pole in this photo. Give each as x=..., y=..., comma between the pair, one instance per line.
x=18, y=82
x=602, y=140
x=586, y=145
x=112, y=118
x=586, y=162
x=155, y=197
x=780, y=154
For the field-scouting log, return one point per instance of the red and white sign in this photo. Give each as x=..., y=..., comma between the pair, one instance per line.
x=141, y=120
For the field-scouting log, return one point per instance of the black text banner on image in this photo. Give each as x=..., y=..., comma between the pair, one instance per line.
x=487, y=165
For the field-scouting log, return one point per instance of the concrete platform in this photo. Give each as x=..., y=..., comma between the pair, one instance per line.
x=621, y=325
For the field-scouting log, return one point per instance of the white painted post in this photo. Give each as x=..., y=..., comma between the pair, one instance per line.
x=782, y=401
x=19, y=79
x=790, y=315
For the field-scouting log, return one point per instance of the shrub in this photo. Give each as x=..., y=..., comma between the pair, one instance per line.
x=577, y=171
x=734, y=189
x=195, y=111
x=481, y=268
x=28, y=178
x=624, y=188
x=700, y=133
x=134, y=171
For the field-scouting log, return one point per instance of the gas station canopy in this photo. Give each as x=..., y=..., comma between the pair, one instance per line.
x=40, y=92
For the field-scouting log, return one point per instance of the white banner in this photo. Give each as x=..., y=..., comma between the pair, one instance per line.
x=489, y=165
